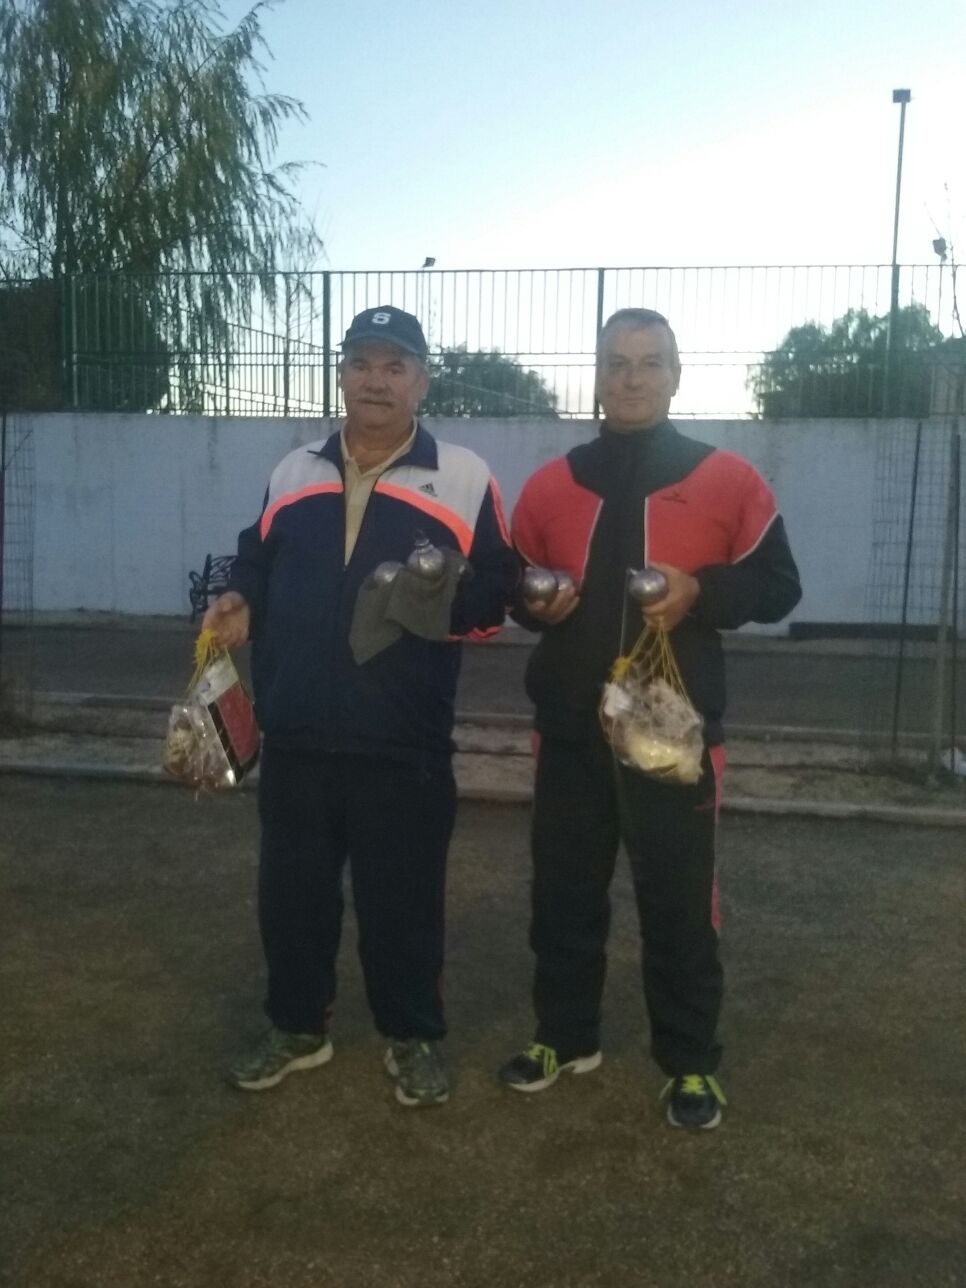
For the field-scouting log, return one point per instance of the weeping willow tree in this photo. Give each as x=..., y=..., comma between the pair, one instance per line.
x=136, y=137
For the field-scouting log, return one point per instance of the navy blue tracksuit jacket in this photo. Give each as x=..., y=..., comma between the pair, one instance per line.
x=309, y=692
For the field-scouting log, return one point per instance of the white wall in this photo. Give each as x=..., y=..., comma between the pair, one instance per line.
x=126, y=505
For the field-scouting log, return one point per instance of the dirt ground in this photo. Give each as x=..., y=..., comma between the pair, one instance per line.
x=130, y=970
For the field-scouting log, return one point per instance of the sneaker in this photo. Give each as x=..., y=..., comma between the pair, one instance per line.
x=277, y=1054
x=539, y=1067
x=694, y=1100
x=420, y=1072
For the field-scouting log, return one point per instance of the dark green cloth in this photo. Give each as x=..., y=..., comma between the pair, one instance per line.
x=410, y=603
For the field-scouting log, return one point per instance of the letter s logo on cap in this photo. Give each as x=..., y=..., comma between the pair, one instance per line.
x=381, y=319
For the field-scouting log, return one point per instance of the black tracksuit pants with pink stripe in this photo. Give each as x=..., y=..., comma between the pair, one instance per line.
x=392, y=821
x=584, y=806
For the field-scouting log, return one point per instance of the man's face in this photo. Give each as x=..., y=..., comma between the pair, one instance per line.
x=382, y=385
x=637, y=377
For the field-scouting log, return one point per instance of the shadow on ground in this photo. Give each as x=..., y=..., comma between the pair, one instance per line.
x=130, y=968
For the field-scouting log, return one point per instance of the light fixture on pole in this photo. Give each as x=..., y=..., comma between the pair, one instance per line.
x=902, y=97
x=940, y=248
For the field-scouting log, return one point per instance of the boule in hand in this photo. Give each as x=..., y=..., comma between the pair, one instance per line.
x=539, y=585
x=385, y=572
x=426, y=560
x=646, y=586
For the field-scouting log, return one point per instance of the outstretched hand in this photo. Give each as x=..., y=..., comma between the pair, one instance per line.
x=229, y=617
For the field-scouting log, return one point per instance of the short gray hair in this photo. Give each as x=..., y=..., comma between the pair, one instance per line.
x=638, y=320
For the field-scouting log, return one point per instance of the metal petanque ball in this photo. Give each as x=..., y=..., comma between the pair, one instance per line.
x=539, y=585
x=385, y=572
x=565, y=581
x=646, y=586
x=426, y=559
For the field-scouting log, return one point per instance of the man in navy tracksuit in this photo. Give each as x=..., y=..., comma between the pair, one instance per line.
x=640, y=493
x=357, y=758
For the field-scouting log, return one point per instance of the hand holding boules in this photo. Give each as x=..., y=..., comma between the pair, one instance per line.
x=550, y=597
x=677, y=601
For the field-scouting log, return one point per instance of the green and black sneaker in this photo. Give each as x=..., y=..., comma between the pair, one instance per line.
x=694, y=1100
x=419, y=1069
x=539, y=1066
x=277, y=1054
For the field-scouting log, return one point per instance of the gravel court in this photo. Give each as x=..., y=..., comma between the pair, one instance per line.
x=130, y=968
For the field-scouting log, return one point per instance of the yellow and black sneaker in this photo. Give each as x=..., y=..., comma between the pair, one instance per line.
x=539, y=1066
x=694, y=1100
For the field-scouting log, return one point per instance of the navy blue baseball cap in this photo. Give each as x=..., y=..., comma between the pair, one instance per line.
x=390, y=325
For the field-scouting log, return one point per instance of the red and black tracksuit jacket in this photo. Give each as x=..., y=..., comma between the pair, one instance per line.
x=624, y=500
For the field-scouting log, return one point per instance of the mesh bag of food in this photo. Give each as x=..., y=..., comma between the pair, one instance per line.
x=212, y=738
x=647, y=716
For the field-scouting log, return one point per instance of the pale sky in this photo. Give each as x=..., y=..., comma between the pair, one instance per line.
x=552, y=133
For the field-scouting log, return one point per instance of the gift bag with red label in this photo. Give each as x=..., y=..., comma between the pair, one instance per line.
x=212, y=739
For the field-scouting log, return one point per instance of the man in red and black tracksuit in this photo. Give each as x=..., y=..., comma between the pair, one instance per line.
x=640, y=493
x=357, y=748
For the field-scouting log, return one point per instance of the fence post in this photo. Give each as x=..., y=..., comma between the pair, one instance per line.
x=326, y=344
x=3, y=528
x=904, y=619
x=228, y=370
x=954, y=674
x=64, y=344
x=889, y=407
x=68, y=312
x=599, y=327
x=945, y=600
x=286, y=359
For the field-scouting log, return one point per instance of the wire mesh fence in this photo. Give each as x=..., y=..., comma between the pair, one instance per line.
x=773, y=341
x=917, y=590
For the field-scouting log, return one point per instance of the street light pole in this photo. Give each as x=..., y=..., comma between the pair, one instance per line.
x=422, y=305
x=902, y=97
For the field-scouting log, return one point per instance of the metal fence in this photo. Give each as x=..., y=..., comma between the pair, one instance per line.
x=915, y=700
x=268, y=345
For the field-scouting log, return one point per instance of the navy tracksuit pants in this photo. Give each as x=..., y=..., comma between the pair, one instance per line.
x=392, y=821
x=582, y=811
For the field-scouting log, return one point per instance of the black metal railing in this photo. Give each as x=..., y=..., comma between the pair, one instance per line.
x=774, y=341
